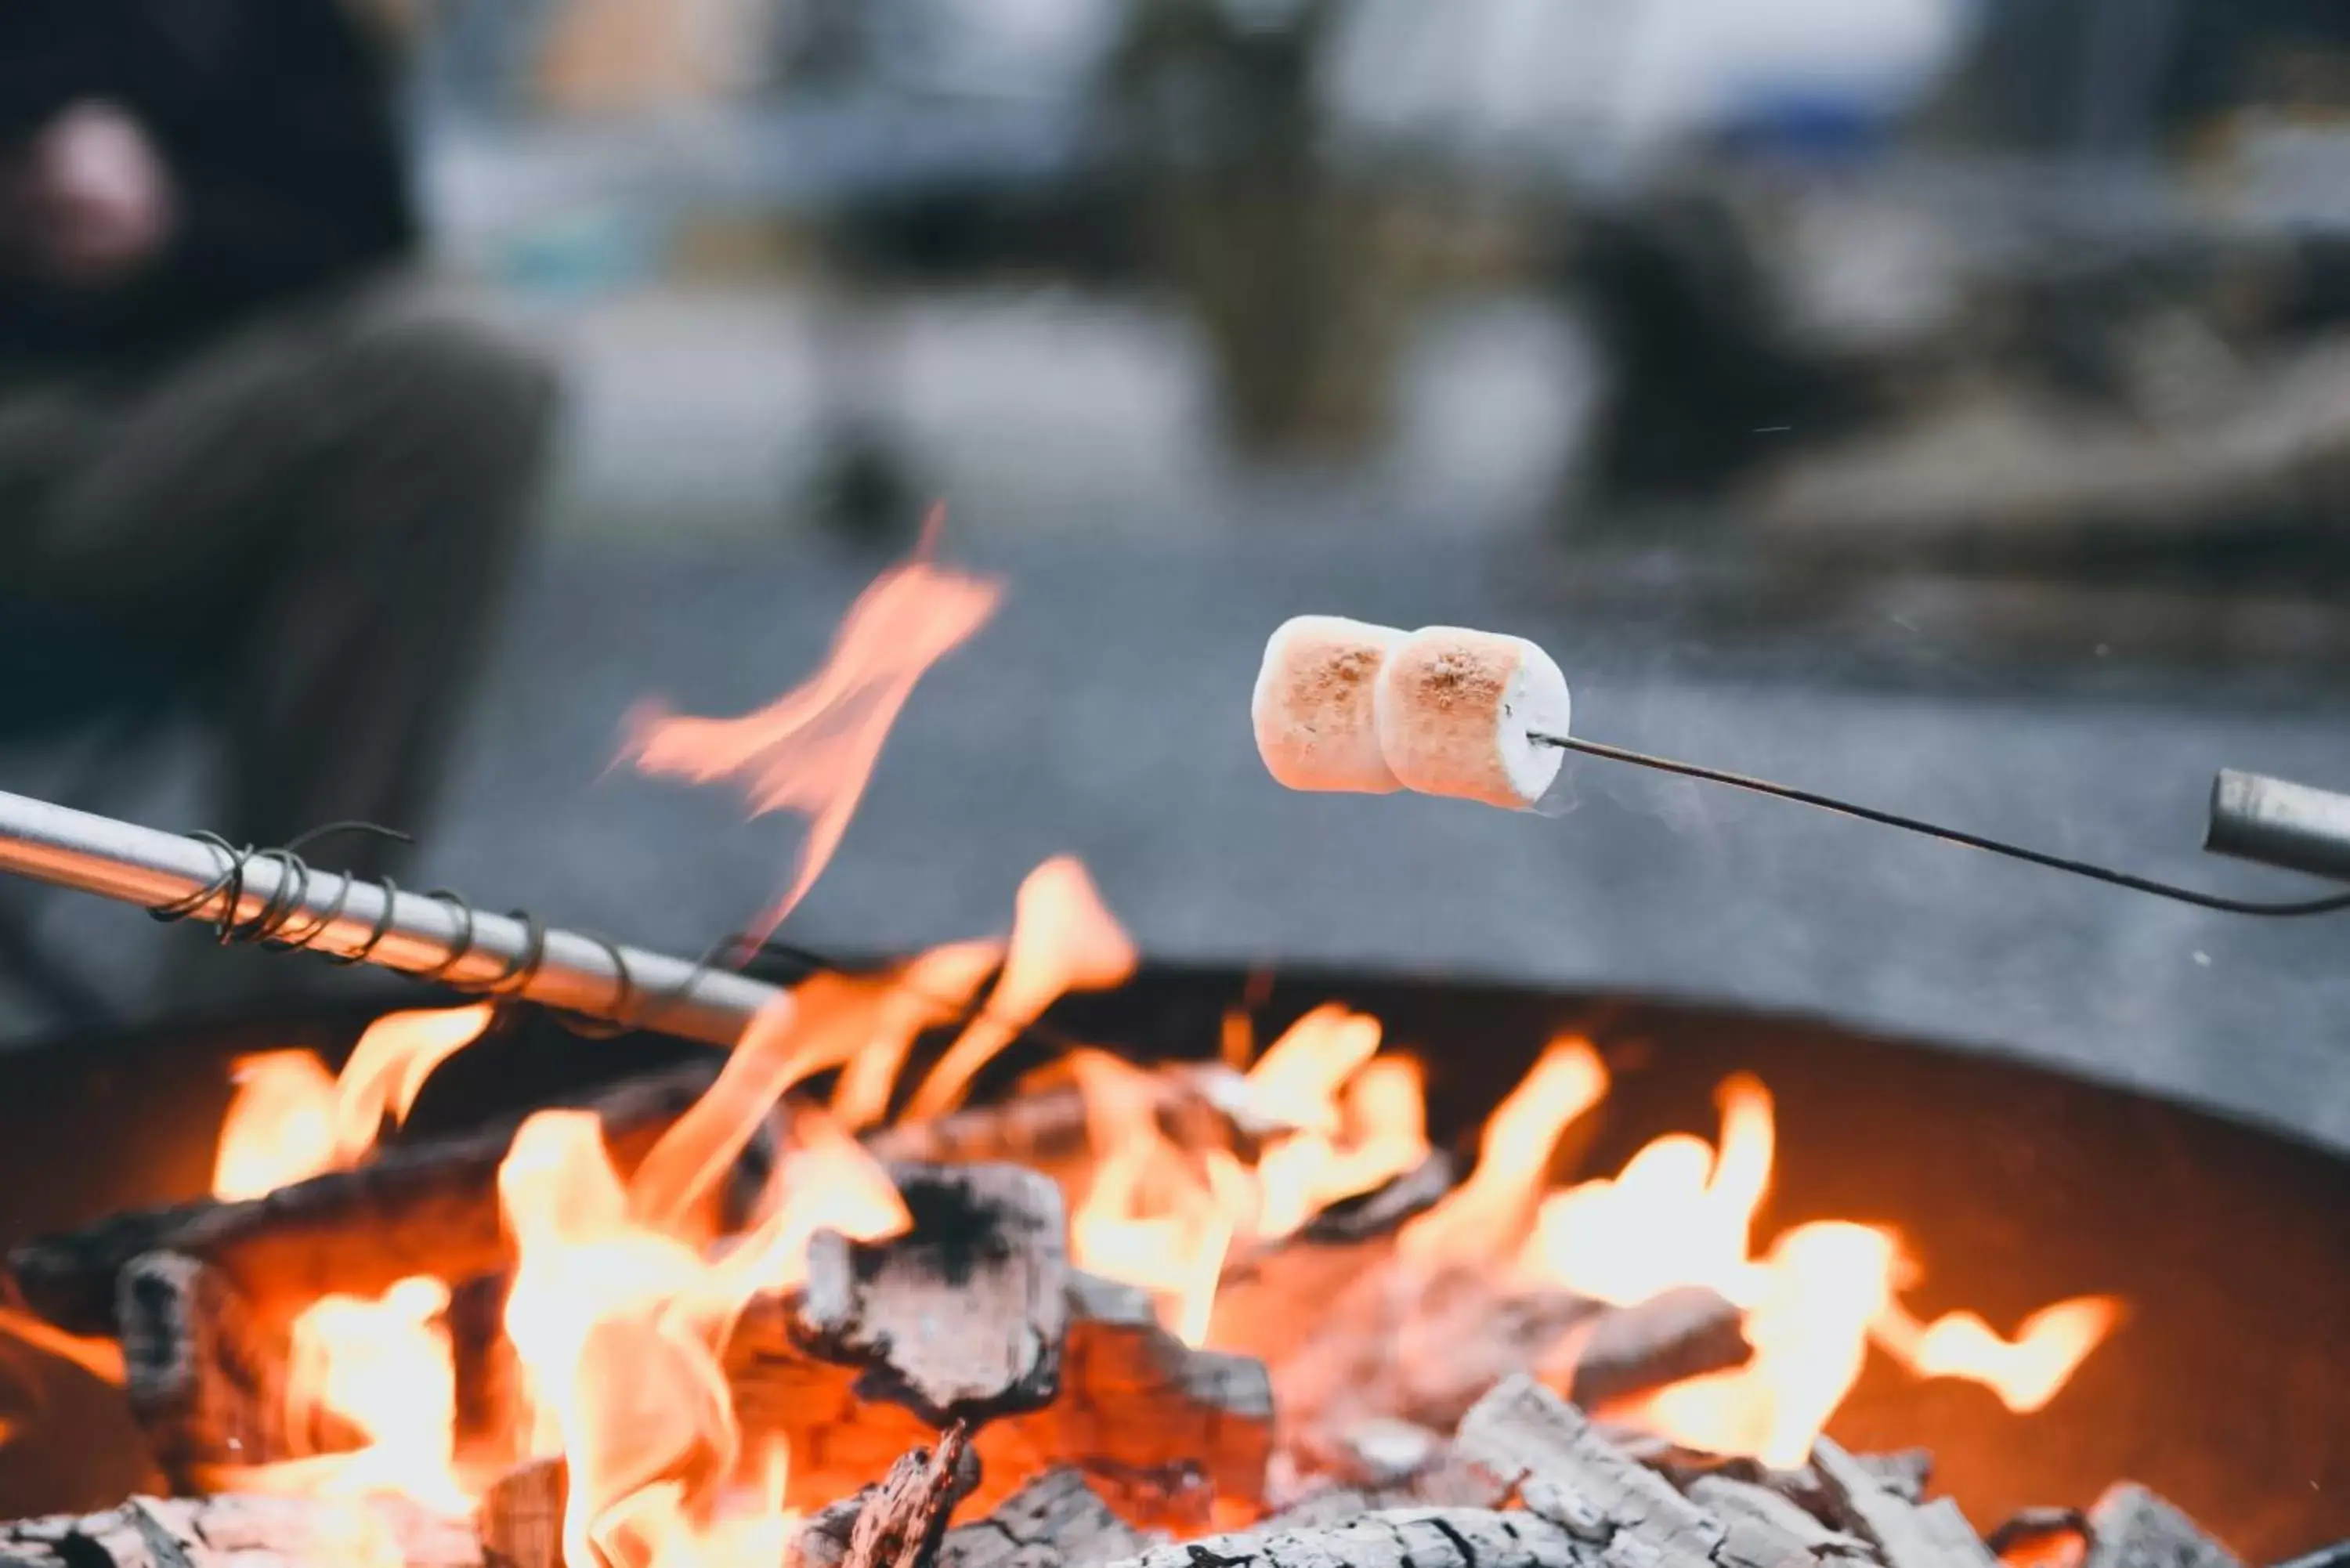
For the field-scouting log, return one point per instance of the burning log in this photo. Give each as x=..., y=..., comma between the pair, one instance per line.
x=205, y=1381
x=960, y=1318
x=2130, y=1527
x=1055, y=1521
x=425, y=1208
x=247, y=1532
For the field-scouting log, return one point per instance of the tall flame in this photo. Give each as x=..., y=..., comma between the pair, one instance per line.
x=1483, y=1217
x=1682, y=1212
x=1163, y=1218
x=813, y=749
x=389, y=1066
x=280, y=1126
x=385, y=1365
x=1063, y=939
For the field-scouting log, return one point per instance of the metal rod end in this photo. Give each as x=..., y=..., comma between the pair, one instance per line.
x=2276, y=823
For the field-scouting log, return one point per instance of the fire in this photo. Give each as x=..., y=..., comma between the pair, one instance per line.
x=280, y=1126
x=1682, y=1212
x=389, y=1066
x=385, y=1366
x=382, y=1365
x=1480, y=1219
x=1062, y=940
x=2025, y=1372
x=1163, y=1218
x=813, y=749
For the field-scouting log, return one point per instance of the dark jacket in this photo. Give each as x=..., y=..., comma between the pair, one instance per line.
x=277, y=120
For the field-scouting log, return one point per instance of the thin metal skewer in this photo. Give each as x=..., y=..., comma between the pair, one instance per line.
x=269, y=895
x=1952, y=835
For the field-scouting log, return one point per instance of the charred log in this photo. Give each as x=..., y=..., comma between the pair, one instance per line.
x=425, y=1208
x=903, y=1518
x=1423, y=1538
x=1680, y=1333
x=250, y=1532
x=1044, y=1128
x=1905, y=1534
x=962, y=1317
x=2130, y=1527
x=206, y=1381
x=1135, y=1405
x=1056, y=1521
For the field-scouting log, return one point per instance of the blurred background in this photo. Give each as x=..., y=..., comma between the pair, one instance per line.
x=1943, y=402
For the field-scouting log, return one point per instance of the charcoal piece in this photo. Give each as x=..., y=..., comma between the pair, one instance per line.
x=1056, y=1521
x=2029, y=1532
x=1536, y=1446
x=901, y=1520
x=1135, y=1403
x=1368, y=1216
x=1767, y=1529
x=2131, y=1527
x=962, y=1315
x=252, y=1531
x=1422, y=1538
x=1678, y=1333
x=425, y=1208
x=205, y=1381
x=521, y=1516
x=1906, y=1535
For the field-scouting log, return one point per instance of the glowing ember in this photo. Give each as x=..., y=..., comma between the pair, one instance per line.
x=813, y=749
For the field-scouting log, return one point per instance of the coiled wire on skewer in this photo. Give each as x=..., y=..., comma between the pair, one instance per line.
x=274, y=926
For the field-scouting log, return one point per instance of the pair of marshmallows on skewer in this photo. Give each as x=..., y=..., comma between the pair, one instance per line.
x=1344, y=705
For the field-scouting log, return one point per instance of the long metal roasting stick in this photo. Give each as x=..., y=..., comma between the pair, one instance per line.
x=433, y=936
x=2253, y=819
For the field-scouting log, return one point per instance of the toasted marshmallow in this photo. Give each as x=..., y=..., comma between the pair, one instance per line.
x=1314, y=709
x=1454, y=709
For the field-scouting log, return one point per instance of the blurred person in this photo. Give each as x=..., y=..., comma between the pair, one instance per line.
x=250, y=463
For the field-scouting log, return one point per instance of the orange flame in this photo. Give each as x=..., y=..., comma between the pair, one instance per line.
x=385, y=1366
x=618, y=1328
x=290, y=1120
x=389, y=1065
x=1682, y=1213
x=102, y=1358
x=1163, y=1218
x=1062, y=940
x=1485, y=1215
x=933, y=989
x=1154, y=1215
x=813, y=749
x=2025, y=1372
x=280, y=1126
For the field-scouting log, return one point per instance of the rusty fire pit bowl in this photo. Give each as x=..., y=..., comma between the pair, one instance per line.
x=2224, y=1388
